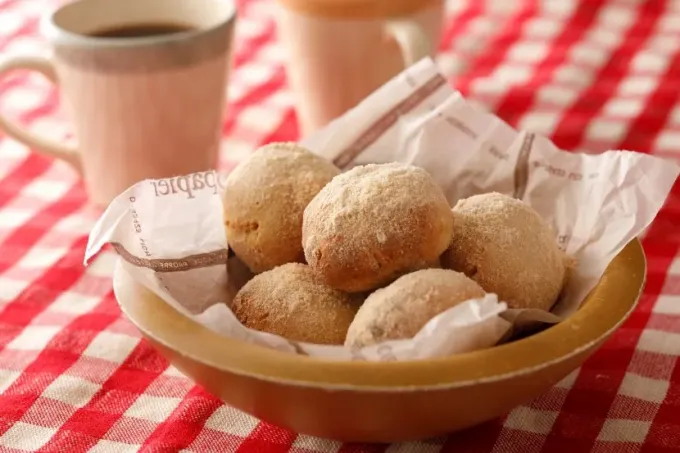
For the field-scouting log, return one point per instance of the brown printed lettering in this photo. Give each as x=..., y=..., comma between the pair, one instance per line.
x=197, y=181
x=184, y=185
x=190, y=184
x=172, y=185
x=163, y=184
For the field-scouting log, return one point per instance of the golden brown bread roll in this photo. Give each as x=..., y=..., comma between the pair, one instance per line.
x=401, y=309
x=293, y=302
x=505, y=246
x=264, y=199
x=374, y=223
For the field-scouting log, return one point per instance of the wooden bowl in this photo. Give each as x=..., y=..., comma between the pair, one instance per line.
x=387, y=401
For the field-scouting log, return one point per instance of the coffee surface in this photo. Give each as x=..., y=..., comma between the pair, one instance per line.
x=141, y=30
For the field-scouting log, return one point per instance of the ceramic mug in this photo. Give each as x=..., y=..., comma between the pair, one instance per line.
x=340, y=51
x=143, y=106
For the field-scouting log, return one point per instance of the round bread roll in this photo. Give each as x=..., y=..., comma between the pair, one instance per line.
x=505, y=246
x=293, y=302
x=401, y=309
x=374, y=223
x=264, y=199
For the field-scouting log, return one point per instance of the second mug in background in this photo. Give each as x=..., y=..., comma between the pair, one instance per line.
x=340, y=51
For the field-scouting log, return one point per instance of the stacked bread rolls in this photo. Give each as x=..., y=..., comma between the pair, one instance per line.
x=374, y=253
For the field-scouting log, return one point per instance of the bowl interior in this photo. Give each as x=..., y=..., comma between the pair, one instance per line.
x=605, y=309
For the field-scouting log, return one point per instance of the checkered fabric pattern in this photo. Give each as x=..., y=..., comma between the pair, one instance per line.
x=74, y=374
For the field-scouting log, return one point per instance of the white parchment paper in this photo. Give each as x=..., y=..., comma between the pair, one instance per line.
x=170, y=234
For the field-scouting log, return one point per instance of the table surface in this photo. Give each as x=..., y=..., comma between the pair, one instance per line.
x=74, y=374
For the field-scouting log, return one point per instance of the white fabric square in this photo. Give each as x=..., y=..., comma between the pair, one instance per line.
x=668, y=140
x=479, y=26
x=12, y=218
x=70, y=302
x=588, y=55
x=665, y=44
x=542, y=28
x=559, y=95
x=273, y=54
x=675, y=265
x=283, y=99
x=616, y=16
x=24, y=436
x=561, y=9
x=649, y=62
x=34, y=338
x=512, y=74
x=47, y=189
x=172, y=371
x=12, y=150
x=624, y=107
x=529, y=51
x=21, y=99
x=10, y=289
x=467, y=43
x=451, y=64
x=669, y=23
x=604, y=37
x=11, y=21
x=259, y=118
x=153, y=408
x=573, y=76
x=644, y=388
x=667, y=304
x=73, y=225
x=71, y=390
x=674, y=116
x=238, y=150
x=621, y=430
x=22, y=44
x=40, y=257
x=532, y=420
x=542, y=122
x=310, y=443
x=114, y=347
x=605, y=129
x=637, y=85
x=249, y=28
x=255, y=73
x=7, y=378
x=660, y=342
x=232, y=421
x=109, y=446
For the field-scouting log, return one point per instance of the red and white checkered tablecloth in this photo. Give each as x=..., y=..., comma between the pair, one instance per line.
x=74, y=375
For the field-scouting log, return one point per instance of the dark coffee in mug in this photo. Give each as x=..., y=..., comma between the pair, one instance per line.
x=141, y=30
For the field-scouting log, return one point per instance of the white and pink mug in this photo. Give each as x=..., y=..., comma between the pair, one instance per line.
x=340, y=51
x=145, y=102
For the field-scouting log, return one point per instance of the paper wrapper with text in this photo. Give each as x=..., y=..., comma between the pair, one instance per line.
x=170, y=236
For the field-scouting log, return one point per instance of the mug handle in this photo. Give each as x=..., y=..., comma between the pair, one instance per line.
x=48, y=147
x=412, y=39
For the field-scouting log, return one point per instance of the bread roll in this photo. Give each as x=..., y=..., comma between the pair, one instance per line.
x=505, y=246
x=264, y=199
x=401, y=309
x=293, y=302
x=374, y=223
